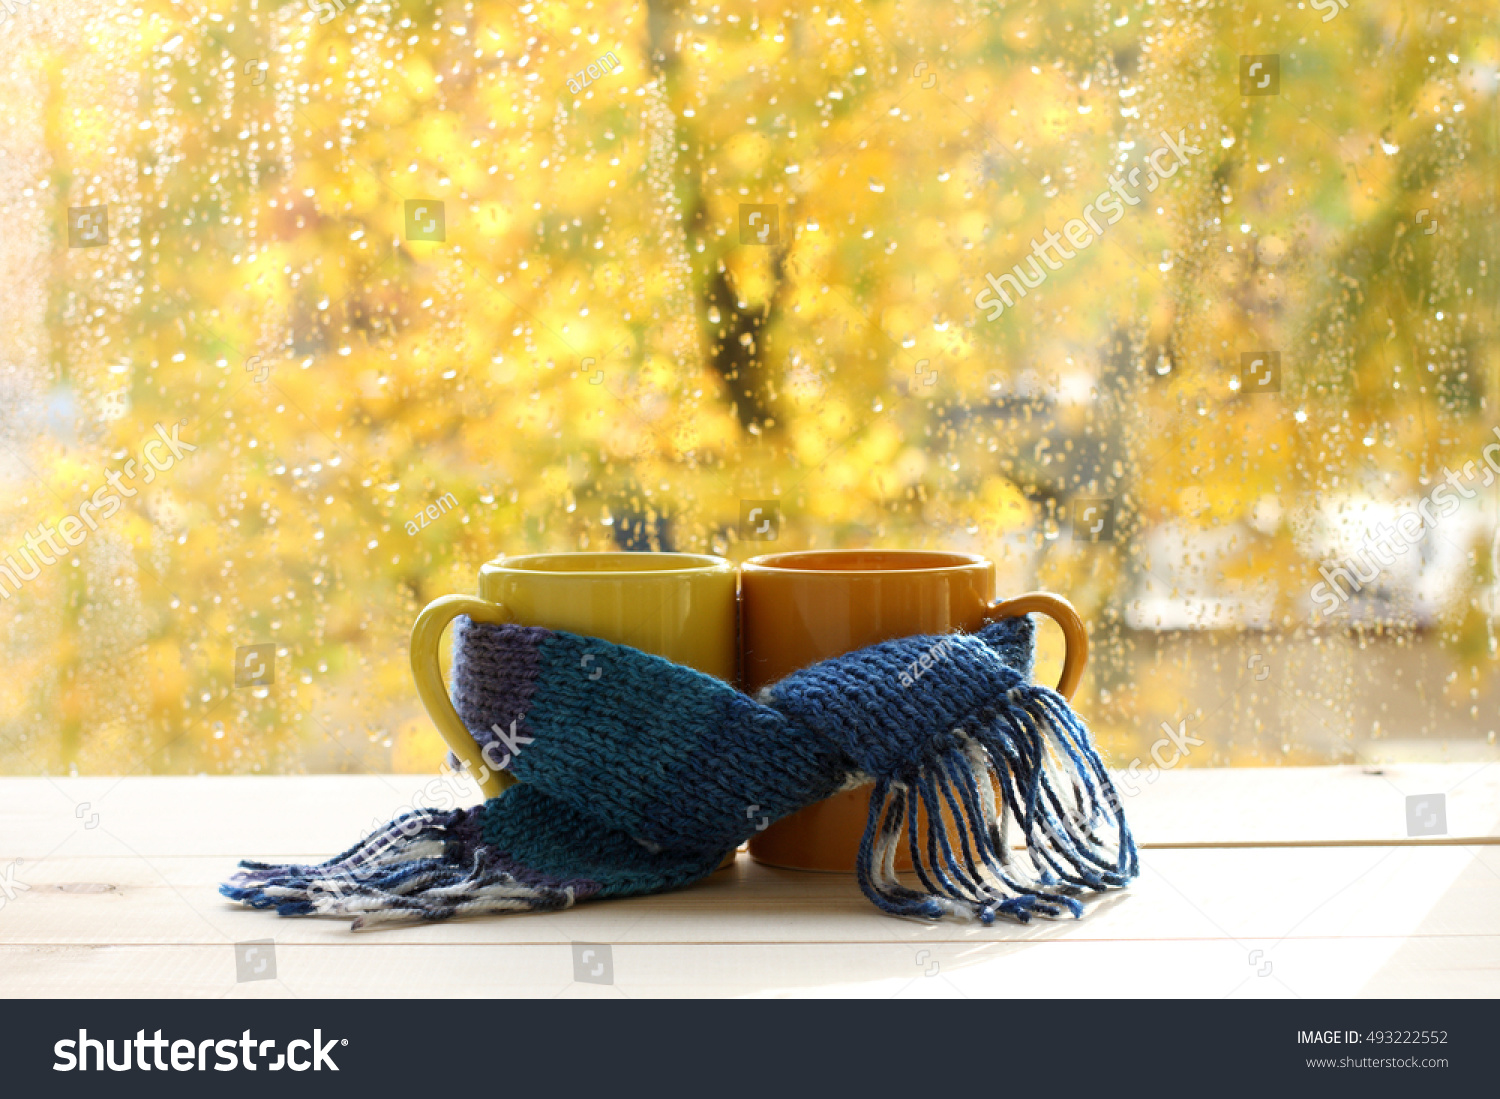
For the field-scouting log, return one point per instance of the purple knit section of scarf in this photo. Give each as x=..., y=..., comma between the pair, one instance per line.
x=495, y=673
x=465, y=834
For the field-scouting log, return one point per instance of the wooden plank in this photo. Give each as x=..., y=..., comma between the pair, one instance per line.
x=228, y=816
x=1310, y=804
x=126, y=904
x=1256, y=893
x=1037, y=969
x=297, y=816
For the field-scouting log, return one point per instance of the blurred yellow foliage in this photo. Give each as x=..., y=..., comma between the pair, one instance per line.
x=598, y=352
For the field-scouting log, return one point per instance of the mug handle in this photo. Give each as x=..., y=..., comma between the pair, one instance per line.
x=1060, y=611
x=426, y=633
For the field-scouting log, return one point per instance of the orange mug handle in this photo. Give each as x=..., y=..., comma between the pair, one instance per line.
x=1060, y=611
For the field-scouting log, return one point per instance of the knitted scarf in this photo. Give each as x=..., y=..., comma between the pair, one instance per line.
x=637, y=775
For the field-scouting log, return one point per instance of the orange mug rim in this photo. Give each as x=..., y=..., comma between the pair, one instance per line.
x=918, y=561
x=694, y=564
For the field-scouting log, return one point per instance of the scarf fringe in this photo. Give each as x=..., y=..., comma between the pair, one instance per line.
x=1051, y=783
x=423, y=865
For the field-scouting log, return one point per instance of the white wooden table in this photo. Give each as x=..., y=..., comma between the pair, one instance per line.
x=1276, y=882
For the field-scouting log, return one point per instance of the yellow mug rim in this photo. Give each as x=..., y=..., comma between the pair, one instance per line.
x=646, y=565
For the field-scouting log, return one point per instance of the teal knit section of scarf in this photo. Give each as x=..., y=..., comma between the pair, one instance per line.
x=637, y=775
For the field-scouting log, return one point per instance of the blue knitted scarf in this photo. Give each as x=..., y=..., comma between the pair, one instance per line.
x=637, y=775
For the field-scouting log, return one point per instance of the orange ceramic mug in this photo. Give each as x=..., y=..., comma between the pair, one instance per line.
x=799, y=608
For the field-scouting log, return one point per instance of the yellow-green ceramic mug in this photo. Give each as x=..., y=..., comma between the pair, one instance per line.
x=678, y=605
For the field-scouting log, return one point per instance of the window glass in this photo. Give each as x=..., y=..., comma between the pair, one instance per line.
x=1187, y=311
